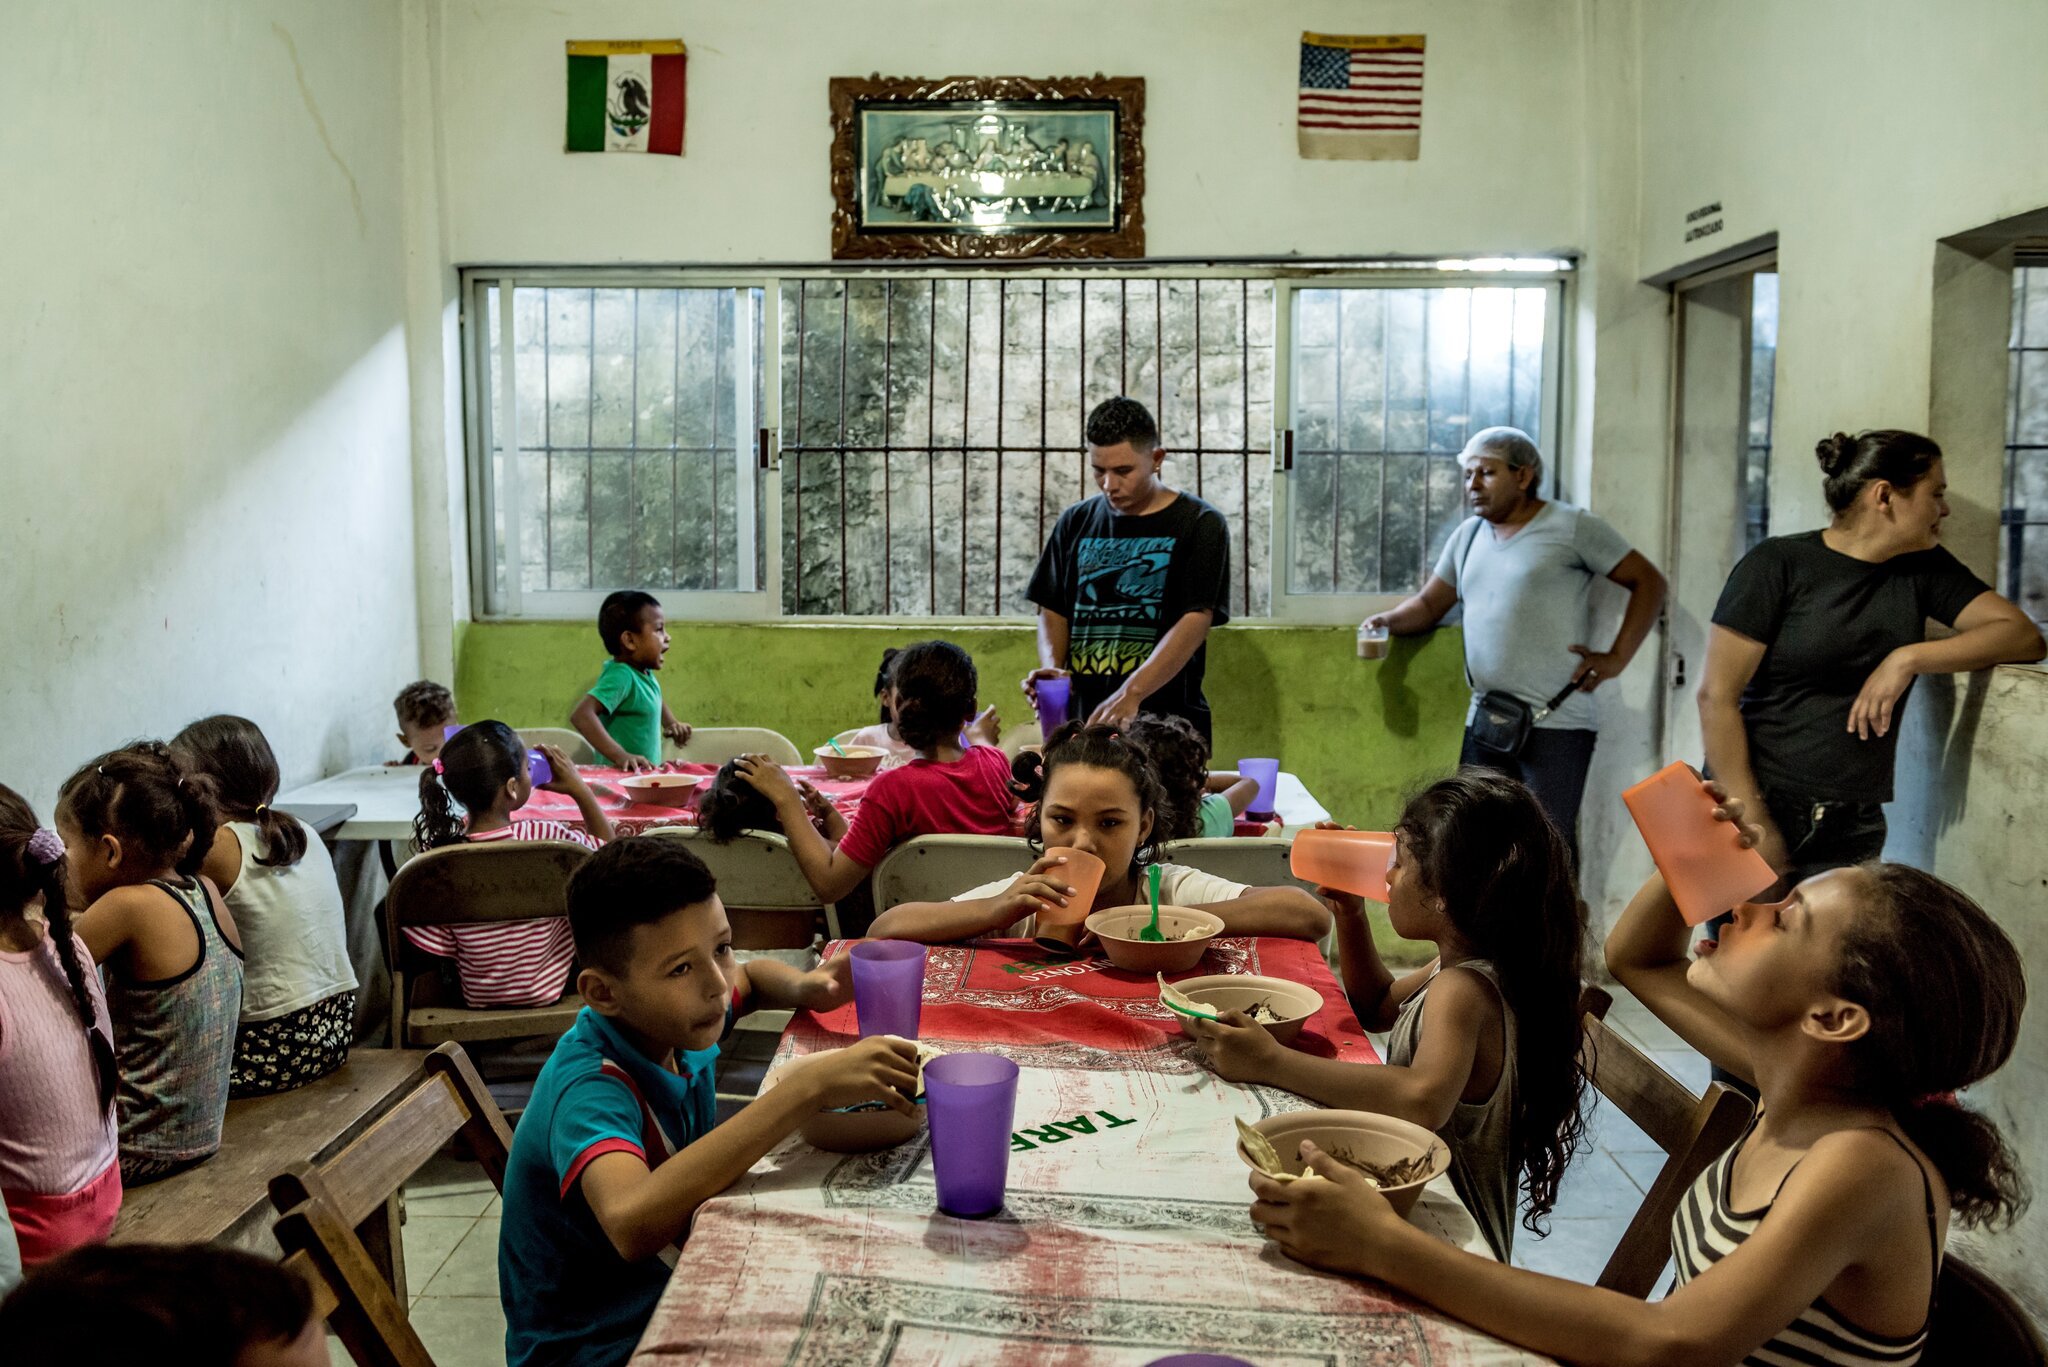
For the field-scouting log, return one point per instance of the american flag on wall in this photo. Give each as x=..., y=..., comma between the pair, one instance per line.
x=1360, y=97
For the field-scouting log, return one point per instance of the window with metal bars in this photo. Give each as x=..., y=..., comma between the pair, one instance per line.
x=931, y=427
x=2024, y=547
x=622, y=440
x=1388, y=385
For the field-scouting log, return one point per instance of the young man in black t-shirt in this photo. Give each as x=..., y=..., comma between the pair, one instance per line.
x=1130, y=582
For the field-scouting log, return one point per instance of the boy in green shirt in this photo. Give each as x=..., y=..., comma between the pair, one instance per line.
x=623, y=715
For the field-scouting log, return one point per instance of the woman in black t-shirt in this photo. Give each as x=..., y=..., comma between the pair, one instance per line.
x=1817, y=639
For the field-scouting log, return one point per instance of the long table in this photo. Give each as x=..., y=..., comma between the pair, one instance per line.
x=387, y=798
x=1124, y=1236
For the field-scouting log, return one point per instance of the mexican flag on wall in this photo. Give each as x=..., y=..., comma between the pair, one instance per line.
x=626, y=97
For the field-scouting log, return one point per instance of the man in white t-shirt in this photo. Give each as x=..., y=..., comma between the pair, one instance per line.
x=1524, y=569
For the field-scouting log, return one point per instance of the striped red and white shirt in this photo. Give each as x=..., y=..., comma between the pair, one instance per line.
x=509, y=963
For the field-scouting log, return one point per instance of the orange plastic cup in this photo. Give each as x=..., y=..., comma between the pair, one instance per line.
x=1351, y=861
x=1704, y=861
x=1060, y=927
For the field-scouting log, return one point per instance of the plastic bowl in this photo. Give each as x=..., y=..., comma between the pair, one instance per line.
x=1362, y=1135
x=660, y=790
x=855, y=761
x=1118, y=927
x=860, y=1131
x=1292, y=1002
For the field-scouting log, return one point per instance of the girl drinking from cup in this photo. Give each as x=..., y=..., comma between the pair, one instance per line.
x=1094, y=791
x=1484, y=1043
x=1858, y=1005
x=484, y=768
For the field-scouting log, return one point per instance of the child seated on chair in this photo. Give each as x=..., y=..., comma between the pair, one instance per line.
x=881, y=735
x=617, y=1147
x=1096, y=792
x=959, y=784
x=483, y=768
x=623, y=715
x=728, y=806
x=197, y=1305
x=1195, y=802
x=425, y=712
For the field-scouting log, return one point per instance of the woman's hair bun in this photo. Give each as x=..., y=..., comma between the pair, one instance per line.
x=1835, y=453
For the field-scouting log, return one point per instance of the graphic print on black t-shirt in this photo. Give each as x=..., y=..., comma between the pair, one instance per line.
x=1120, y=583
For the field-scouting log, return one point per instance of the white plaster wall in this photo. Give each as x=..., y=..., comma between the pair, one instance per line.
x=1499, y=169
x=1860, y=131
x=204, y=412
x=1982, y=740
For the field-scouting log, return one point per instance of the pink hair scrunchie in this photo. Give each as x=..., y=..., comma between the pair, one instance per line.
x=45, y=846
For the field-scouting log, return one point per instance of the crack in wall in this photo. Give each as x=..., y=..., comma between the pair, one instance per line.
x=355, y=194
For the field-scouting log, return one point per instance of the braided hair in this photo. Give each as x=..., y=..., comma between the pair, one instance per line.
x=32, y=865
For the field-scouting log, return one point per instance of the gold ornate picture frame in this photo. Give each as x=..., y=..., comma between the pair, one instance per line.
x=1000, y=167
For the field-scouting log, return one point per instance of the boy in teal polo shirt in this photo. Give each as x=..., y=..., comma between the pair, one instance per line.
x=617, y=1147
x=623, y=715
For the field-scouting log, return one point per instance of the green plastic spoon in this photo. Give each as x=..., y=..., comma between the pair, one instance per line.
x=1151, y=932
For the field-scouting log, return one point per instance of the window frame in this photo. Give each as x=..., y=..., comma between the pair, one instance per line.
x=763, y=603
x=1291, y=608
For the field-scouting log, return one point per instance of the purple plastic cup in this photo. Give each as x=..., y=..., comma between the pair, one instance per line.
x=970, y=1104
x=538, y=769
x=888, y=987
x=1054, y=697
x=1267, y=773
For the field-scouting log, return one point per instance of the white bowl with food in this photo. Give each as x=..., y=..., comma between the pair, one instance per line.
x=1281, y=1006
x=1397, y=1156
x=660, y=790
x=1185, y=933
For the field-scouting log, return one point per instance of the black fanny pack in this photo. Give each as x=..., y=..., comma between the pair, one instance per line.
x=1501, y=722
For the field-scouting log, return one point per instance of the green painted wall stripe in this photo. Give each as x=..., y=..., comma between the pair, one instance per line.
x=586, y=104
x=1363, y=735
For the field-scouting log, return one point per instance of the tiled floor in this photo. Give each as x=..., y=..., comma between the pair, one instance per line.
x=451, y=1228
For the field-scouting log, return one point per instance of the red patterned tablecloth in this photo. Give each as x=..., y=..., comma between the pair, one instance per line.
x=1124, y=1235
x=633, y=818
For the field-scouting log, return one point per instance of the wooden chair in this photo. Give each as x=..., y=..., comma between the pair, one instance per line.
x=717, y=744
x=1977, y=1322
x=1692, y=1131
x=326, y=1209
x=569, y=742
x=938, y=868
x=504, y=880
x=763, y=887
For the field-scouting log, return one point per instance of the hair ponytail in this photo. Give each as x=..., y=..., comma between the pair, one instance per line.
x=1180, y=757
x=1985, y=1184
x=1945, y=990
x=148, y=797
x=935, y=685
x=26, y=874
x=473, y=768
x=1849, y=464
x=232, y=752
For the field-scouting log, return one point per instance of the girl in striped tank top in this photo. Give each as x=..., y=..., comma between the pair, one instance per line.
x=136, y=826
x=483, y=768
x=1857, y=1005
